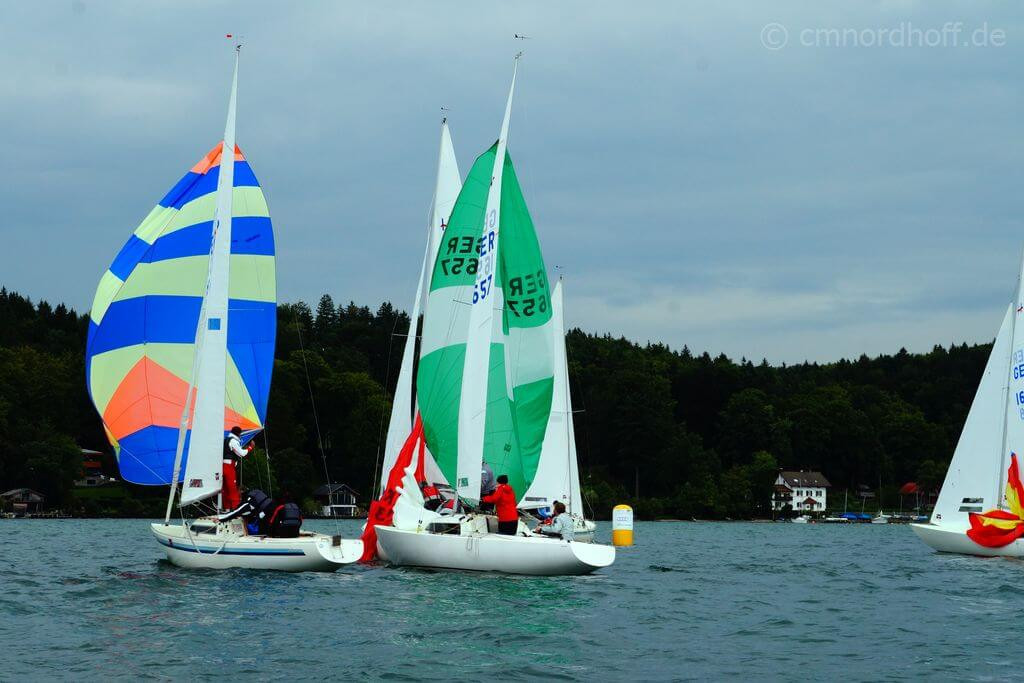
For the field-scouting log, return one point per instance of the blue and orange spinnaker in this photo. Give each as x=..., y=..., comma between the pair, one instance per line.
x=996, y=528
x=143, y=321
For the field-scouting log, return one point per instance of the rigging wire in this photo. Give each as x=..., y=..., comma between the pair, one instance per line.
x=377, y=475
x=586, y=422
x=316, y=422
x=266, y=449
x=266, y=439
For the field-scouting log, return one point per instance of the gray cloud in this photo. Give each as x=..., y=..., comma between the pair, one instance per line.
x=693, y=186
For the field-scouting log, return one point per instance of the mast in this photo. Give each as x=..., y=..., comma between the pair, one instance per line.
x=473, y=396
x=1015, y=311
x=207, y=383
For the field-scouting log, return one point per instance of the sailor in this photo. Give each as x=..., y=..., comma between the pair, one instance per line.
x=487, y=486
x=286, y=519
x=255, y=511
x=504, y=500
x=233, y=454
x=561, y=526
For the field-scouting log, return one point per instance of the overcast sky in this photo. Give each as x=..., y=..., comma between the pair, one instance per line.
x=734, y=176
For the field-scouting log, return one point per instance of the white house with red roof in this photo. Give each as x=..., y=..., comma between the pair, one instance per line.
x=803, y=491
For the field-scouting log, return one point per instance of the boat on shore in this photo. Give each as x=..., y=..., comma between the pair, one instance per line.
x=836, y=520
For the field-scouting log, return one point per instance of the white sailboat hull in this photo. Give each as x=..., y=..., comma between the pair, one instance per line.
x=949, y=540
x=230, y=549
x=488, y=552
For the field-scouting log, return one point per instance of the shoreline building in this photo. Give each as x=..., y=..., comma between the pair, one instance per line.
x=22, y=502
x=800, y=491
x=337, y=500
x=92, y=470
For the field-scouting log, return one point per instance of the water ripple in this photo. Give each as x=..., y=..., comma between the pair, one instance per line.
x=689, y=601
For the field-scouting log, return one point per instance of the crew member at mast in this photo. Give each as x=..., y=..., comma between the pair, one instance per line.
x=504, y=500
x=233, y=454
x=487, y=486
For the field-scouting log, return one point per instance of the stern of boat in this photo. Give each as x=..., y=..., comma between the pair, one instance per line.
x=340, y=550
x=593, y=555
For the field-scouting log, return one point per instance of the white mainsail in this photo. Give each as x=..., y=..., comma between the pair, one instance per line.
x=974, y=480
x=558, y=476
x=446, y=191
x=473, y=396
x=205, y=449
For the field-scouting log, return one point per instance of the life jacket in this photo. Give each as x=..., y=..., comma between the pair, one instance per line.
x=504, y=499
x=228, y=453
x=285, y=521
x=258, y=500
x=262, y=507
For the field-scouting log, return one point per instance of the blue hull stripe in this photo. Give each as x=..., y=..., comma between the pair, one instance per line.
x=213, y=551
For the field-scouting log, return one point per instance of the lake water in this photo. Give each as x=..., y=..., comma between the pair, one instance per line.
x=91, y=599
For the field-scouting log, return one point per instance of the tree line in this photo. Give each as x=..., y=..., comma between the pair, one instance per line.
x=673, y=433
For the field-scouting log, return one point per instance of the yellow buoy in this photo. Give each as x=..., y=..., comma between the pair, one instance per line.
x=622, y=525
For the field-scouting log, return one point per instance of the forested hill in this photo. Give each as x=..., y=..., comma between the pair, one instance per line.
x=675, y=434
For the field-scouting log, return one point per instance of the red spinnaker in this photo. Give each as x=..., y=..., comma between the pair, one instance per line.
x=382, y=511
x=996, y=528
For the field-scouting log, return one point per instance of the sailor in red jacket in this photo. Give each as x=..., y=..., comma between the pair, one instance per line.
x=504, y=499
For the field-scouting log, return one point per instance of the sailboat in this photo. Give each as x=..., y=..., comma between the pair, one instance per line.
x=984, y=471
x=181, y=349
x=558, y=472
x=557, y=476
x=484, y=384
